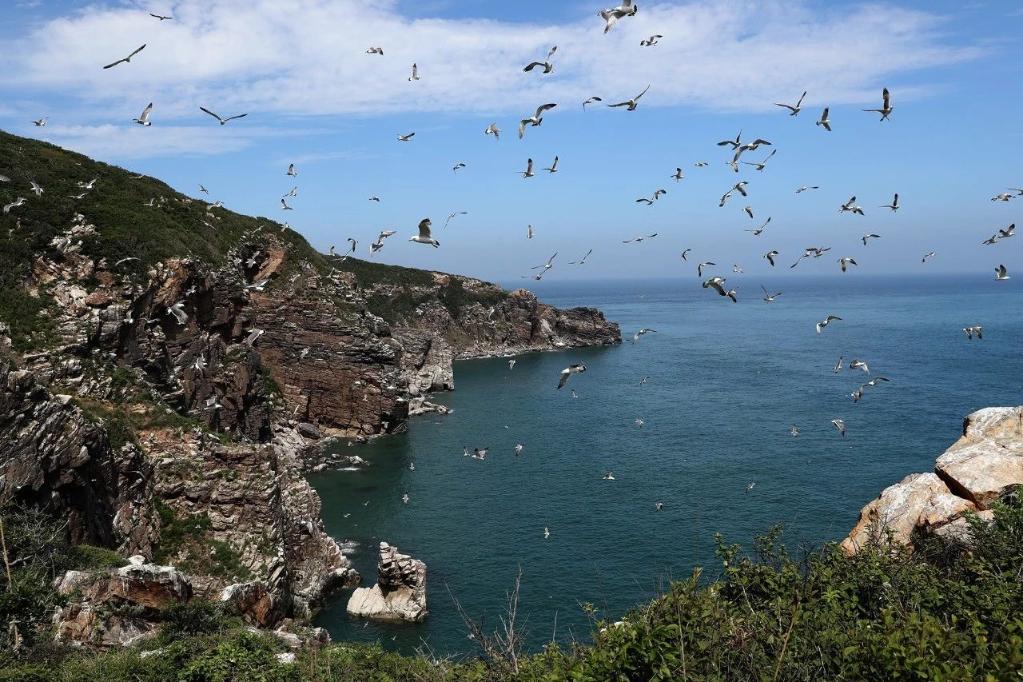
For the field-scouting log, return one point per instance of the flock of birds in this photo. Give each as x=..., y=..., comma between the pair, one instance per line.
x=737, y=147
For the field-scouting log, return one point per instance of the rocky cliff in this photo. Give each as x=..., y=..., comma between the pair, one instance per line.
x=167, y=366
x=982, y=467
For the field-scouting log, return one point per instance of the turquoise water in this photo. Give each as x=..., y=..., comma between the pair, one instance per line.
x=725, y=384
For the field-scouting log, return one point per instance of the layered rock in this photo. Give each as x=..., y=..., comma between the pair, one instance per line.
x=399, y=593
x=983, y=466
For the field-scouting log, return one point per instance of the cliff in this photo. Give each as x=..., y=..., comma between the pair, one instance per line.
x=166, y=367
x=981, y=468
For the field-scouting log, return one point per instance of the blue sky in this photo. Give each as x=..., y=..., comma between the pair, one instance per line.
x=316, y=99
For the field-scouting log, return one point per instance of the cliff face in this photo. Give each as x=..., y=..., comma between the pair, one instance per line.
x=983, y=466
x=167, y=404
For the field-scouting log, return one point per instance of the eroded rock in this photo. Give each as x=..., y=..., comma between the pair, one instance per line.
x=400, y=591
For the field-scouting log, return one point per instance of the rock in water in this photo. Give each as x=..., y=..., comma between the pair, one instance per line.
x=400, y=592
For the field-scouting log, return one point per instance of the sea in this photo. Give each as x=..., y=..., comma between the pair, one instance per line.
x=717, y=388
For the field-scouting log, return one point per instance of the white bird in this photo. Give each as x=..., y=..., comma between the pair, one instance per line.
x=546, y=532
x=375, y=50
x=642, y=332
x=793, y=431
x=824, y=121
x=1001, y=273
x=529, y=232
x=528, y=173
x=536, y=119
x=805, y=188
x=651, y=41
x=639, y=423
x=701, y=266
x=840, y=425
x=424, y=234
x=38, y=190
x=554, y=166
x=1004, y=196
x=678, y=175
x=737, y=269
x=126, y=59
x=851, y=207
x=846, y=262
x=868, y=237
x=223, y=121
x=793, y=109
x=658, y=506
x=545, y=267
x=406, y=138
x=762, y=164
x=838, y=365
x=253, y=337
x=975, y=330
x=569, y=371
x=292, y=171
x=718, y=285
x=770, y=256
x=760, y=230
x=284, y=205
x=457, y=167
x=825, y=322
x=608, y=476
x=886, y=107
x=1010, y=231
x=769, y=298
x=859, y=364
x=630, y=104
x=511, y=364
x=452, y=216
x=750, y=486
x=591, y=100
x=650, y=202
x=415, y=73
x=639, y=239
x=927, y=257
x=546, y=63
x=685, y=254
x=39, y=123
x=20, y=201
x=612, y=15
x=405, y=498
x=582, y=260
x=518, y=449
x=203, y=190
x=178, y=311
x=143, y=119
x=492, y=129
x=894, y=206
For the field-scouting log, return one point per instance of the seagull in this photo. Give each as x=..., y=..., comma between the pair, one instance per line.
x=608, y=476
x=679, y=175
x=292, y=171
x=143, y=118
x=734, y=144
x=976, y=330
x=825, y=322
x=793, y=431
x=993, y=239
x=793, y=110
x=492, y=129
x=518, y=449
x=529, y=231
x=859, y=364
x=658, y=506
x=642, y=332
x=38, y=190
x=591, y=100
x=611, y=16
x=546, y=63
x=415, y=73
x=284, y=205
x=1004, y=196
x=39, y=123
x=805, y=188
x=760, y=230
x=769, y=298
x=554, y=166
x=20, y=201
x=582, y=260
x=631, y=104
x=574, y=394
x=536, y=119
x=651, y=41
x=376, y=199
x=528, y=173
x=639, y=239
x=212, y=403
x=452, y=216
x=824, y=121
x=178, y=311
x=840, y=425
x=845, y=262
x=685, y=254
x=639, y=423
x=293, y=192
x=927, y=257
x=875, y=381
x=126, y=59
x=763, y=164
x=894, y=206
x=258, y=286
x=770, y=256
x=203, y=190
x=546, y=266
x=701, y=266
x=375, y=50
x=569, y=371
x=1010, y=231
x=851, y=207
x=511, y=364
x=650, y=202
x=253, y=337
x=424, y=234
x=405, y=498
x=160, y=16
x=737, y=269
x=546, y=532
x=868, y=237
x=1001, y=273
x=718, y=285
x=886, y=108
x=457, y=167
x=223, y=121
x=406, y=138
x=701, y=164
x=838, y=365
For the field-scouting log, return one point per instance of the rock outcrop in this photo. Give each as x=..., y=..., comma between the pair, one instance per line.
x=983, y=466
x=400, y=591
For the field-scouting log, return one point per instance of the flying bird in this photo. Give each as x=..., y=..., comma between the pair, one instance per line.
x=805, y=188
x=825, y=322
x=770, y=256
x=760, y=230
x=591, y=100
x=406, y=138
x=975, y=330
x=859, y=364
x=824, y=121
x=20, y=201
x=424, y=234
x=651, y=41
x=143, y=119
x=894, y=206
x=160, y=16
x=582, y=260
x=840, y=425
x=1001, y=274
x=846, y=262
x=718, y=285
x=536, y=119
x=678, y=175
x=639, y=239
x=868, y=237
x=546, y=63
x=886, y=107
x=415, y=73
x=554, y=166
x=223, y=121
x=794, y=109
x=452, y=216
x=927, y=257
x=769, y=298
x=642, y=332
x=125, y=60
x=457, y=167
x=701, y=266
x=38, y=190
x=569, y=371
x=375, y=50
x=851, y=207
x=545, y=267
x=292, y=171
x=612, y=15
x=838, y=365
x=763, y=164
x=40, y=122
x=492, y=129
x=528, y=173
x=631, y=104
x=284, y=205
x=685, y=254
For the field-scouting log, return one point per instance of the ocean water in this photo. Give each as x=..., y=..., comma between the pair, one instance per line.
x=725, y=383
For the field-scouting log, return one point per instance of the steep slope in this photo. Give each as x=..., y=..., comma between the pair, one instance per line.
x=192, y=346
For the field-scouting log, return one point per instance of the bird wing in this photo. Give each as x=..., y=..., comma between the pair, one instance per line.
x=424, y=228
x=636, y=98
x=522, y=127
x=565, y=373
x=551, y=52
x=885, y=95
x=216, y=116
x=801, y=98
x=532, y=65
x=145, y=113
x=544, y=107
x=108, y=66
x=137, y=51
x=231, y=118
x=620, y=104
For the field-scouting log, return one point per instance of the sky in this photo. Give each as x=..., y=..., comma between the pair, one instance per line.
x=314, y=98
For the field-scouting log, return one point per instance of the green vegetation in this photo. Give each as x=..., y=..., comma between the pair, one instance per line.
x=184, y=543
x=947, y=610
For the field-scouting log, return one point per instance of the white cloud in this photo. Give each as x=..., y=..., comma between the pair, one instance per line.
x=307, y=57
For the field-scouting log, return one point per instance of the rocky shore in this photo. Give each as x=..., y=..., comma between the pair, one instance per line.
x=982, y=467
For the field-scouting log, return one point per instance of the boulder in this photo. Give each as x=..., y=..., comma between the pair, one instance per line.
x=254, y=602
x=987, y=462
x=400, y=592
